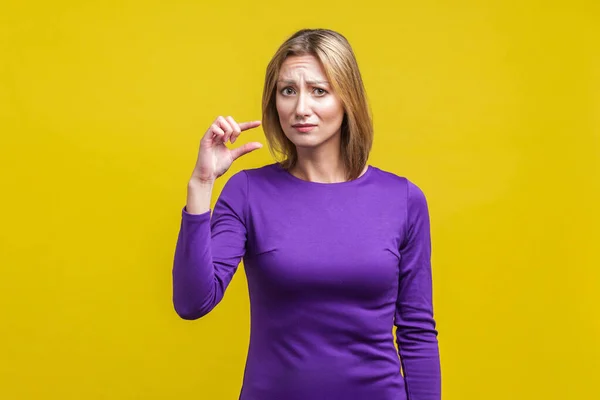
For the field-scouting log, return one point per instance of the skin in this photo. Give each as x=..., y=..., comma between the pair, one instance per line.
x=305, y=96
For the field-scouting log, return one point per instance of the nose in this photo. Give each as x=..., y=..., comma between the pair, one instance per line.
x=302, y=106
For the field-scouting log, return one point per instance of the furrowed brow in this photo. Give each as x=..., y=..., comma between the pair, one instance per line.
x=293, y=82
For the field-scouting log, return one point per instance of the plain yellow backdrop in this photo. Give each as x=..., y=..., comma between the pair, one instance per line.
x=492, y=108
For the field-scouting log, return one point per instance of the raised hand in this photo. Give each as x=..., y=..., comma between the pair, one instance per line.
x=214, y=157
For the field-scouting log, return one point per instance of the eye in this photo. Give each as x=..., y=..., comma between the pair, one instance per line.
x=287, y=91
x=320, y=92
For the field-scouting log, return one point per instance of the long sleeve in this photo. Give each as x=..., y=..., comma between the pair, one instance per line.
x=209, y=250
x=416, y=333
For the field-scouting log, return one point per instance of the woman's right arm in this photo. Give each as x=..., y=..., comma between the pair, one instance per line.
x=199, y=194
x=209, y=248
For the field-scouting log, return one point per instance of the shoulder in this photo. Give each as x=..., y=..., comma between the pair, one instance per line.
x=406, y=194
x=240, y=187
x=391, y=180
x=261, y=172
x=241, y=180
x=252, y=173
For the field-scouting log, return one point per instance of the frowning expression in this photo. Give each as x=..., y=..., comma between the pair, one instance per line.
x=310, y=113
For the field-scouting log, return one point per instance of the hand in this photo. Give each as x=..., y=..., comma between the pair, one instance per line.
x=214, y=158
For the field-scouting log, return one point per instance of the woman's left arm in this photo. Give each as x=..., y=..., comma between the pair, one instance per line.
x=416, y=333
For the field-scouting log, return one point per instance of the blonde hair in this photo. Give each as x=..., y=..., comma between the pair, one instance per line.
x=339, y=62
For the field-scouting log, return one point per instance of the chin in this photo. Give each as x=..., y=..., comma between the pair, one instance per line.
x=309, y=139
x=306, y=140
x=306, y=145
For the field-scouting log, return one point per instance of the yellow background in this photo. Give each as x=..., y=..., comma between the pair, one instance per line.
x=492, y=108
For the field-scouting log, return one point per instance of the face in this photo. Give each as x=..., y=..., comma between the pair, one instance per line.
x=310, y=113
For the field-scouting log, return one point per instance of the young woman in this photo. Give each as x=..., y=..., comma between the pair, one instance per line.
x=336, y=251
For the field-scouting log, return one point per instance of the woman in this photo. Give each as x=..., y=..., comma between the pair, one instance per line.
x=335, y=251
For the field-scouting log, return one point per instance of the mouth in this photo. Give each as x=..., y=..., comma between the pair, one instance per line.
x=304, y=127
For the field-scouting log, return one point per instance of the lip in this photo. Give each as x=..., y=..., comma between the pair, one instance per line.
x=304, y=127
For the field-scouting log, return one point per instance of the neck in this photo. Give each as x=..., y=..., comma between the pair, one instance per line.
x=319, y=165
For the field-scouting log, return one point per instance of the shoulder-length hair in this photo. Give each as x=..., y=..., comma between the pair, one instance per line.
x=341, y=68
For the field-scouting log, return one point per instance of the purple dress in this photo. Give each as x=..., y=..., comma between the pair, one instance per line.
x=331, y=267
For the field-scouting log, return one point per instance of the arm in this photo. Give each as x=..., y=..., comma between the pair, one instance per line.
x=416, y=333
x=209, y=250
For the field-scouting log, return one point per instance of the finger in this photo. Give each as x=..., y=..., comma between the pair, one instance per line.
x=249, y=125
x=236, y=129
x=226, y=128
x=211, y=133
x=245, y=149
x=215, y=134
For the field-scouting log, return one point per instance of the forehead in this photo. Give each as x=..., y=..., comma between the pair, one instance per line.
x=306, y=65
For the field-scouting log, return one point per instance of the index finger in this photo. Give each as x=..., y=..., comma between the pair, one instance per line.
x=249, y=125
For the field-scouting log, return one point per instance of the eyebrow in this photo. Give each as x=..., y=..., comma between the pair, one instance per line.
x=291, y=81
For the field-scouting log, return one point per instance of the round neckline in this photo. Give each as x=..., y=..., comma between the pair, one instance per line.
x=323, y=184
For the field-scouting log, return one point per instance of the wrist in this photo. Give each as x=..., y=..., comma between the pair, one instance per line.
x=200, y=182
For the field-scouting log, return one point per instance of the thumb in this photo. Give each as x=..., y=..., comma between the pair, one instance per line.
x=245, y=149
